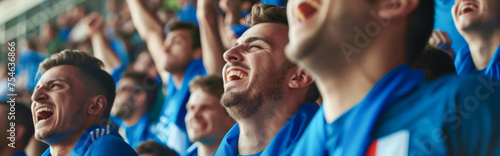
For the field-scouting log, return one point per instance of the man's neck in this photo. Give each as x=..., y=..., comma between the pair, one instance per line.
x=208, y=149
x=177, y=78
x=65, y=147
x=344, y=87
x=483, y=46
x=257, y=131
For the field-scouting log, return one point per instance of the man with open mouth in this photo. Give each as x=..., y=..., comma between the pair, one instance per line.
x=479, y=23
x=71, y=106
x=358, y=51
x=271, y=99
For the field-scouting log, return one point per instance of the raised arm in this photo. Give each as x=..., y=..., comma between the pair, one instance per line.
x=151, y=32
x=100, y=45
x=211, y=42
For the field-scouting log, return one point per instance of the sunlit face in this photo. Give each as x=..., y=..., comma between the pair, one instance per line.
x=59, y=104
x=125, y=100
x=469, y=14
x=178, y=47
x=318, y=27
x=206, y=120
x=254, y=69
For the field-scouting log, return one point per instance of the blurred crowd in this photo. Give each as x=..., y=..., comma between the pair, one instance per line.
x=219, y=77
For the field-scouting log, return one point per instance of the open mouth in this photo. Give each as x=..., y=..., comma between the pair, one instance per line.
x=467, y=8
x=307, y=9
x=44, y=113
x=234, y=75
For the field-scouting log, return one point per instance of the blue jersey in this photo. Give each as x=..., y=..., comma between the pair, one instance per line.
x=100, y=140
x=170, y=129
x=137, y=133
x=465, y=65
x=22, y=153
x=444, y=21
x=287, y=137
x=405, y=115
x=281, y=3
x=188, y=14
x=192, y=150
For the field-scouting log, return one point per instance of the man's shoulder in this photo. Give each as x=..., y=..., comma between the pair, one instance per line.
x=111, y=145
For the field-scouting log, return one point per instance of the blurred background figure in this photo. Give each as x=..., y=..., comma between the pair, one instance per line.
x=152, y=148
x=206, y=120
x=23, y=128
x=135, y=95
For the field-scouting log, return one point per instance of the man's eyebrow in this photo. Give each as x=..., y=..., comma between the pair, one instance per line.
x=55, y=80
x=253, y=39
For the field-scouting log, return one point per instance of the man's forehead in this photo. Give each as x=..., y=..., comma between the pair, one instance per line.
x=183, y=33
x=268, y=31
x=199, y=101
x=62, y=72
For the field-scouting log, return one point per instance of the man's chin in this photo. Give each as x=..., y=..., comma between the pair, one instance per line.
x=44, y=137
x=298, y=51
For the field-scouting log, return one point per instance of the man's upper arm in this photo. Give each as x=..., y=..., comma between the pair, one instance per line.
x=156, y=49
x=476, y=124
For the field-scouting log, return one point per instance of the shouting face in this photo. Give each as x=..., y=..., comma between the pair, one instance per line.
x=59, y=104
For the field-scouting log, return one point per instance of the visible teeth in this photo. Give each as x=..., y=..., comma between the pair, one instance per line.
x=239, y=74
x=467, y=7
x=44, y=109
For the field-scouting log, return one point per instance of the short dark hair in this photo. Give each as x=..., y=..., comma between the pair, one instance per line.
x=312, y=94
x=90, y=67
x=154, y=148
x=420, y=26
x=434, y=62
x=24, y=118
x=145, y=82
x=195, y=31
x=213, y=85
x=263, y=13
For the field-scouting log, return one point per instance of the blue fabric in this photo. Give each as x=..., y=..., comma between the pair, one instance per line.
x=444, y=21
x=192, y=150
x=100, y=140
x=64, y=34
x=139, y=132
x=465, y=65
x=441, y=116
x=118, y=46
x=115, y=120
x=286, y=138
x=239, y=29
x=170, y=129
x=281, y=3
x=29, y=61
x=22, y=153
x=188, y=14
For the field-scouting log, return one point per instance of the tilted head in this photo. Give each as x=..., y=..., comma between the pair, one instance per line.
x=257, y=70
x=326, y=32
x=73, y=92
